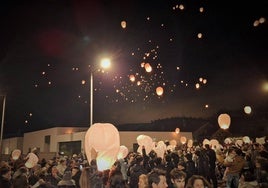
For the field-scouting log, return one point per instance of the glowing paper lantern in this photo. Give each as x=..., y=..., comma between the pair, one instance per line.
x=227, y=141
x=146, y=141
x=206, y=141
x=199, y=35
x=148, y=67
x=32, y=160
x=190, y=143
x=224, y=121
x=132, y=78
x=123, y=24
x=159, y=91
x=246, y=139
x=102, y=139
x=173, y=142
x=214, y=143
x=123, y=151
x=160, y=149
x=177, y=130
x=239, y=143
x=260, y=140
x=183, y=139
x=247, y=109
x=171, y=147
x=16, y=154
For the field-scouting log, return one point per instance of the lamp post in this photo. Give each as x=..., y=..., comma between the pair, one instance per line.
x=105, y=63
x=2, y=123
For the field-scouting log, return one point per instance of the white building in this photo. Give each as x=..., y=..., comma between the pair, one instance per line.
x=71, y=140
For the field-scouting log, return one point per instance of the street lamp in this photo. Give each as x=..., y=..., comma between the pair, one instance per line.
x=105, y=63
x=2, y=123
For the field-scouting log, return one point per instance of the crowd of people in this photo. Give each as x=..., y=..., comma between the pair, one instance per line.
x=200, y=166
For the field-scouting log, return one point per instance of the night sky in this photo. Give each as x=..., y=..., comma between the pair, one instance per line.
x=206, y=55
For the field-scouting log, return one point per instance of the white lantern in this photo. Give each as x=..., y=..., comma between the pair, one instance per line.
x=146, y=141
x=227, y=141
x=123, y=24
x=177, y=130
x=214, y=143
x=132, y=78
x=206, y=141
x=190, y=143
x=173, y=142
x=160, y=149
x=148, y=67
x=239, y=143
x=246, y=139
x=224, y=121
x=247, y=109
x=32, y=160
x=159, y=91
x=183, y=139
x=102, y=139
x=123, y=151
x=16, y=154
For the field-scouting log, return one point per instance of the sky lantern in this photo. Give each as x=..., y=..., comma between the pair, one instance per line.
x=246, y=139
x=148, y=67
x=224, y=121
x=159, y=91
x=183, y=139
x=123, y=24
x=102, y=142
x=16, y=154
x=206, y=141
x=247, y=109
x=199, y=35
x=122, y=153
x=227, y=141
x=177, y=130
x=262, y=20
x=173, y=142
x=214, y=143
x=204, y=81
x=32, y=160
x=239, y=143
x=256, y=23
x=197, y=85
x=146, y=141
x=132, y=78
x=160, y=149
x=190, y=143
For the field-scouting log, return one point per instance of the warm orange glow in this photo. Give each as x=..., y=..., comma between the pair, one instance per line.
x=177, y=130
x=183, y=139
x=103, y=138
x=105, y=63
x=148, y=67
x=132, y=78
x=123, y=24
x=224, y=121
x=159, y=91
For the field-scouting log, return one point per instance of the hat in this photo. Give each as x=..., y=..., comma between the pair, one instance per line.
x=67, y=179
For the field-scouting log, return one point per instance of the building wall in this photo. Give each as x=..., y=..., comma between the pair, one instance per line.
x=12, y=143
x=58, y=134
x=63, y=134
